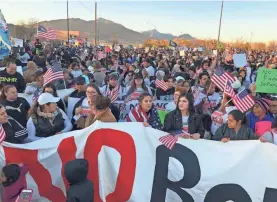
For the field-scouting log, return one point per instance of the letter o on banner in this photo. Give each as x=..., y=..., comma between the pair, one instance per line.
x=124, y=144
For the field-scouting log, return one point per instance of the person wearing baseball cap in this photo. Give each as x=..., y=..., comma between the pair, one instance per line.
x=46, y=119
x=259, y=113
x=113, y=88
x=80, y=87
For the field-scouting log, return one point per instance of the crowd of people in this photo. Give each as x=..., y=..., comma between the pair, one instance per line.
x=196, y=107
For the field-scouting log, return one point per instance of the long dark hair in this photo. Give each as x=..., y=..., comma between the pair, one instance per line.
x=189, y=97
x=143, y=95
x=133, y=87
x=49, y=85
x=93, y=85
x=239, y=116
x=12, y=173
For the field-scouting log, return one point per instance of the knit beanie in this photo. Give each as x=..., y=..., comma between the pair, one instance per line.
x=263, y=103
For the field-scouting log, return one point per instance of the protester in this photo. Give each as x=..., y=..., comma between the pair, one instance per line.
x=68, y=79
x=220, y=116
x=16, y=107
x=10, y=76
x=259, y=113
x=100, y=111
x=80, y=89
x=13, y=180
x=75, y=70
x=80, y=187
x=147, y=63
x=138, y=85
x=235, y=129
x=14, y=131
x=29, y=73
x=112, y=89
x=184, y=119
x=50, y=88
x=35, y=88
x=46, y=119
x=172, y=105
x=98, y=74
x=23, y=57
x=40, y=61
x=145, y=112
x=207, y=100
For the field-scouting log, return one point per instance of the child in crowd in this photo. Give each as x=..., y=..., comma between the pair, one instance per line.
x=13, y=180
x=81, y=188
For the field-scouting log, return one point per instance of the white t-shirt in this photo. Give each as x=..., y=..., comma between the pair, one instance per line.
x=185, y=123
x=150, y=70
x=23, y=58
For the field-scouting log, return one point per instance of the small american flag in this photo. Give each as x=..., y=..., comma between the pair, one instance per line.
x=228, y=89
x=243, y=101
x=169, y=141
x=220, y=77
x=42, y=32
x=133, y=96
x=53, y=73
x=161, y=84
x=2, y=134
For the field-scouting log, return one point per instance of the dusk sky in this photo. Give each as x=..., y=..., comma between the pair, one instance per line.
x=199, y=18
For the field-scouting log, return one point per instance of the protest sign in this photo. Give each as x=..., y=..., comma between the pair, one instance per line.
x=147, y=49
x=17, y=42
x=266, y=81
x=71, y=103
x=126, y=108
x=239, y=60
x=129, y=163
x=182, y=53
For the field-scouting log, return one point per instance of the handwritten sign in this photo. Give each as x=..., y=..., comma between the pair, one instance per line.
x=266, y=81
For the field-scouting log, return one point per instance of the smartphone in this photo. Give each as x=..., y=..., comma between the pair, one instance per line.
x=25, y=195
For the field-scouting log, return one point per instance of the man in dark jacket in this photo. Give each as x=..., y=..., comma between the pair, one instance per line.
x=81, y=188
x=10, y=76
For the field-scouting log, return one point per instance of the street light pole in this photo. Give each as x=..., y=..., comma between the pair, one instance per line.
x=95, y=24
x=219, y=27
x=67, y=22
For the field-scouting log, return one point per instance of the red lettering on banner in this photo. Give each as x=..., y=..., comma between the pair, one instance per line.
x=40, y=175
x=67, y=152
x=125, y=145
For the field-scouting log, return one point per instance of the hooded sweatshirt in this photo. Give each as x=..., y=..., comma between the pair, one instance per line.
x=81, y=188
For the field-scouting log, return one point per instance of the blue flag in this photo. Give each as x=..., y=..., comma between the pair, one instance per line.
x=5, y=43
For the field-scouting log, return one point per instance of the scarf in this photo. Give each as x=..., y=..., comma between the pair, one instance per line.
x=49, y=116
x=112, y=94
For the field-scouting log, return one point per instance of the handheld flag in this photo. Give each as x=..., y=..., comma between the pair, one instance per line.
x=53, y=73
x=220, y=77
x=172, y=43
x=228, y=90
x=243, y=101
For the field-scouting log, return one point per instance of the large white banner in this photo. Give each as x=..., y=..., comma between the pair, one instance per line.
x=127, y=162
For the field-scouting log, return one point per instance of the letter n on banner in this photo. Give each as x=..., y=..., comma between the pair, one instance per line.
x=124, y=144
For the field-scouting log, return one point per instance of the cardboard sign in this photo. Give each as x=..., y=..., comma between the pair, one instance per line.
x=266, y=81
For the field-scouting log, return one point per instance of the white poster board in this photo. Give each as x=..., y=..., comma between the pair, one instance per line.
x=239, y=60
x=71, y=103
x=17, y=42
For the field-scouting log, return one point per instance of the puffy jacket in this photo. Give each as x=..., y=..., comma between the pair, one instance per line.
x=81, y=188
x=173, y=123
x=46, y=129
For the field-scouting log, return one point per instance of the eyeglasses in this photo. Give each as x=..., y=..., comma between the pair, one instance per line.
x=91, y=92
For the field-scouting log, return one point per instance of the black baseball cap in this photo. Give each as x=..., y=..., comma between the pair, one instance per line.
x=80, y=80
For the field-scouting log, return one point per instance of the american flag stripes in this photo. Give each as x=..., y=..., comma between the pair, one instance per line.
x=137, y=115
x=161, y=84
x=53, y=73
x=2, y=134
x=43, y=32
x=228, y=89
x=220, y=77
x=243, y=101
x=169, y=141
x=133, y=96
x=113, y=95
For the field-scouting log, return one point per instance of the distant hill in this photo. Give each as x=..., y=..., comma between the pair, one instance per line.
x=158, y=35
x=107, y=30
